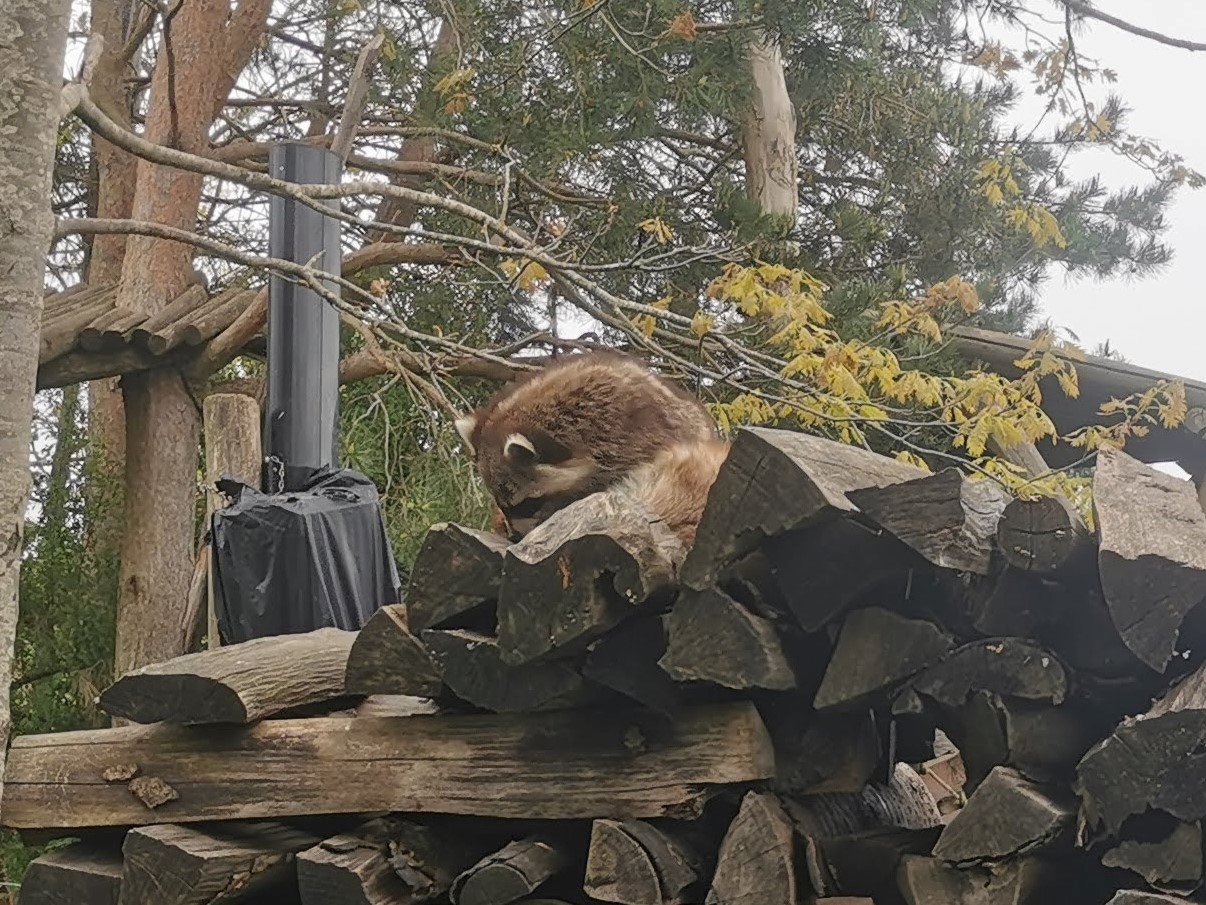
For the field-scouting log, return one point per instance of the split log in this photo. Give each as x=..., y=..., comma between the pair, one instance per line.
x=862, y=863
x=876, y=649
x=626, y=661
x=826, y=752
x=635, y=863
x=948, y=519
x=386, y=861
x=474, y=671
x=1041, y=742
x=824, y=570
x=1171, y=863
x=1014, y=603
x=774, y=481
x=80, y=874
x=579, y=574
x=1010, y=667
x=1143, y=897
x=1007, y=816
x=1044, y=535
x=928, y=881
x=456, y=574
x=713, y=638
x=904, y=802
x=184, y=865
x=1152, y=761
x=757, y=862
x=387, y=659
x=240, y=683
x=563, y=765
x=1152, y=553
x=513, y=872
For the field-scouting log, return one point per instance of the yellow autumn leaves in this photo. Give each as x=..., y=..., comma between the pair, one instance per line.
x=999, y=185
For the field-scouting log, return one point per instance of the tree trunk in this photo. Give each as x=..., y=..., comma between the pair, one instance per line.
x=769, y=134
x=206, y=47
x=33, y=39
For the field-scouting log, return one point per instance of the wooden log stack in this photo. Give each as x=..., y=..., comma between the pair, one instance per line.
x=865, y=684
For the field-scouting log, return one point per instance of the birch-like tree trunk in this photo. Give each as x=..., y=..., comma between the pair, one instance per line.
x=769, y=133
x=33, y=40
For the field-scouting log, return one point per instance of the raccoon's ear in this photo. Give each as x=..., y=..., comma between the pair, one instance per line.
x=465, y=426
x=519, y=448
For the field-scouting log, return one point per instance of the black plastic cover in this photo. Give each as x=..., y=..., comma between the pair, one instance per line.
x=301, y=560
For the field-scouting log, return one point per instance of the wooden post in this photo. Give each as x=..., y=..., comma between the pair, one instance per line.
x=232, y=449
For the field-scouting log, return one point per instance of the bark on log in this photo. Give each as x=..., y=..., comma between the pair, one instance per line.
x=513, y=872
x=904, y=802
x=928, y=881
x=120, y=332
x=580, y=574
x=876, y=649
x=1008, y=816
x=184, y=865
x=633, y=862
x=1044, y=535
x=184, y=305
x=1152, y=553
x=948, y=519
x=456, y=574
x=1171, y=862
x=241, y=683
x=387, y=659
x=774, y=481
x=386, y=861
x=59, y=337
x=565, y=765
x=626, y=661
x=81, y=874
x=91, y=337
x=714, y=639
x=206, y=326
x=1153, y=761
x=757, y=861
x=862, y=863
x=474, y=671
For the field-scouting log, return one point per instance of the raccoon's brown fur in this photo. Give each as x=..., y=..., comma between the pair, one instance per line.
x=675, y=485
x=585, y=423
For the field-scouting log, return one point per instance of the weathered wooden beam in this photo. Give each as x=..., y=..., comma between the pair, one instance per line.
x=81, y=874
x=241, y=683
x=570, y=764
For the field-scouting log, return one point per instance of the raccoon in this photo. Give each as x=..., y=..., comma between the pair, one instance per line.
x=585, y=423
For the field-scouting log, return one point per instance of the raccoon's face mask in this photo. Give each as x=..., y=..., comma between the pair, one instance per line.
x=529, y=473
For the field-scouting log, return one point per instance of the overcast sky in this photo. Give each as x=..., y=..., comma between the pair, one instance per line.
x=1154, y=322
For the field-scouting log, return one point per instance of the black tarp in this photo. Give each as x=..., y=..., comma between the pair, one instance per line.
x=301, y=560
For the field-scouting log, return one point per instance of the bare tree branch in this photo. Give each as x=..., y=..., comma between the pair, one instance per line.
x=1083, y=9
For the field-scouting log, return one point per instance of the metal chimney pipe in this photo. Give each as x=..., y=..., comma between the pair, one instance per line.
x=301, y=423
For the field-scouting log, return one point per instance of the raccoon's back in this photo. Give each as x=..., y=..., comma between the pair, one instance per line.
x=674, y=486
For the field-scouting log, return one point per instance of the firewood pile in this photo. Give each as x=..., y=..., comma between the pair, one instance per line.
x=864, y=683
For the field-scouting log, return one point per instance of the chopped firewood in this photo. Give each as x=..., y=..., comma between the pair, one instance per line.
x=1013, y=603
x=875, y=650
x=902, y=803
x=1043, y=535
x=474, y=671
x=826, y=752
x=947, y=518
x=1152, y=552
x=757, y=860
x=386, y=658
x=81, y=874
x=1010, y=667
x=1171, y=862
x=513, y=872
x=386, y=861
x=863, y=863
x=635, y=863
x=1143, y=897
x=826, y=569
x=774, y=481
x=237, y=683
x=1007, y=816
x=184, y=865
x=455, y=576
x=626, y=661
x=1153, y=761
x=1042, y=742
x=579, y=574
x=713, y=638
x=929, y=881
x=562, y=765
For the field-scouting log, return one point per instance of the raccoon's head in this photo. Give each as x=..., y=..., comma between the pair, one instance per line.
x=529, y=473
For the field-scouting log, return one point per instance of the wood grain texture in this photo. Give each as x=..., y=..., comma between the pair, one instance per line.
x=387, y=658
x=239, y=683
x=1043, y=535
x=563, y=765
x=456, y=571
x=80, y=874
